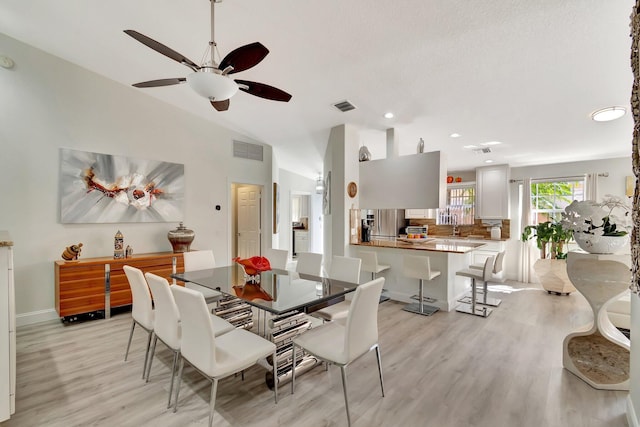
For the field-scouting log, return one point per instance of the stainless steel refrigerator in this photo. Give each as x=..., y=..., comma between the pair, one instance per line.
x=386, y=224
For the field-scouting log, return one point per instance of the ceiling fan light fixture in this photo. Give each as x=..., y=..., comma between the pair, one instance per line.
x=212, y=86
x=608, y=114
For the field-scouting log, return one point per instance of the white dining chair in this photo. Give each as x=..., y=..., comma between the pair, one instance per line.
x=345, y=269
x=341, y=344
x=309, y=263
x=277, y=257
x=216, y=357
x=166, y=326
x=141, y=308
x=201, y=260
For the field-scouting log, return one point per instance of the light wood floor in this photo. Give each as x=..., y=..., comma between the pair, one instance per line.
x=450, y=369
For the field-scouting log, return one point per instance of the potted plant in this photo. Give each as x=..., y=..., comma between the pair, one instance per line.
x=595, y=226
x=546, y=233
x=551, y=268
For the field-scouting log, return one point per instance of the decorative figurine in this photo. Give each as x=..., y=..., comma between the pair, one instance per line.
x=71, y=253
x=128, y=252
x=118, y=245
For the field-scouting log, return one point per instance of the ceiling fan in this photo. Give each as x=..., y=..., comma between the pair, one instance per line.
x=211, y=79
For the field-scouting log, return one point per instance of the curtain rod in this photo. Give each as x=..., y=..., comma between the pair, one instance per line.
x=602, y=174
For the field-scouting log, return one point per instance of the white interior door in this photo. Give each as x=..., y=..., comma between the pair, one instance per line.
x=248, y=221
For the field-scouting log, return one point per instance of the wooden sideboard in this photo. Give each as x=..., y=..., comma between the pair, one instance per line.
x=99, y=284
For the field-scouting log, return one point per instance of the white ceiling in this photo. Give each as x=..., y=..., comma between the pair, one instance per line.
x=526, y=73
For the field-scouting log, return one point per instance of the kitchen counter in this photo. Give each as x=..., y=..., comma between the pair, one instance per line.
x=447, y=255
x=457, y=246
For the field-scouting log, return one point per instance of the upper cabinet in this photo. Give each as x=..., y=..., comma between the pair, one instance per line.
x=492, y=192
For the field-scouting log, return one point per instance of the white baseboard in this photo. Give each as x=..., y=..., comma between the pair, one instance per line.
x=632, y=419
x=32, y=317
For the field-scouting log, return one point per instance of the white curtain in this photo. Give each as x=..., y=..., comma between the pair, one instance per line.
x=527, y=251
x=591, y=189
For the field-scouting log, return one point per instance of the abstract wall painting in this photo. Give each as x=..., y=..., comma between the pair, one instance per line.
x=104, y=188
x=326, y=195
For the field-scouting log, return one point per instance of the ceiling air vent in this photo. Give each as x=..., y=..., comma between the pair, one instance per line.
x=344, y=106
x=244, y=150
x=485, y=150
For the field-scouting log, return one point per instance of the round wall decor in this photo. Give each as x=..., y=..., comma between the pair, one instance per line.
x=352, y=189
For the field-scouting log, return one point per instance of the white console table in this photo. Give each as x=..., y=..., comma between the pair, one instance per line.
x=7, y=329
x=599, y=353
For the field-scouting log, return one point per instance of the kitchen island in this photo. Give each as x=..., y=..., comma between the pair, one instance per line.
x=446, y=255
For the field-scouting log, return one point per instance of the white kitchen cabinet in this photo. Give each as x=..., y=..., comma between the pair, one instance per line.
x=492, y=192
x=300, y=241
x=416, y=213
x=491, y=248
x=7, y=329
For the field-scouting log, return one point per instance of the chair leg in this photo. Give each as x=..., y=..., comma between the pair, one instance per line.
x=133, y=325
x=175, y=402
x=293, y=369
x=380, y=368
x=275, y=375
x=176, y=355
x=212, y=400
x=151, y=354
x=343, y=370
x=146, y=355
x=421, y=296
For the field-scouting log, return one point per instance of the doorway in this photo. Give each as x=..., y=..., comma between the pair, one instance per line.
x=246, y=236
x=301, y=240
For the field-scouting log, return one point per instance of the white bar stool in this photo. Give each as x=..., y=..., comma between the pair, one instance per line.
x=370, y=263
x=419, y=267
x=485, y=275
x=496, y=276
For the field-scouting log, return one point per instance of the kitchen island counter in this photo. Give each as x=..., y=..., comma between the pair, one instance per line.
x=446, y=256
x=434, y=245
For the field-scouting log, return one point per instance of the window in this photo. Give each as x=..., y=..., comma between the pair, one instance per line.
x=460, y=206
x=550, y=197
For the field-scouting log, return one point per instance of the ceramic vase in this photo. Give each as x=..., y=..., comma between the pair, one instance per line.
x=181, y=239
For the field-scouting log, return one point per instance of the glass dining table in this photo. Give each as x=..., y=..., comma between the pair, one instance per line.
x=289, y=296
x=278, y=291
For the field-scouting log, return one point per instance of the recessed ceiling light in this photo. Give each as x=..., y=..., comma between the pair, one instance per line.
x=455, y=135
x=491, y=143
x=470, y=146
x=388, y=115
x=608, y=114
x=488, y=161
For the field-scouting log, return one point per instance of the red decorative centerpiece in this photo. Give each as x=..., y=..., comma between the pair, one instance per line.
x=253, y=267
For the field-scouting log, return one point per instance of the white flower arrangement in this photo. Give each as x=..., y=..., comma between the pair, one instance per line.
x=598, y=219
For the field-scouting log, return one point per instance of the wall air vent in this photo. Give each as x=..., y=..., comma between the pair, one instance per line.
x=244, y=150
x=344, y=106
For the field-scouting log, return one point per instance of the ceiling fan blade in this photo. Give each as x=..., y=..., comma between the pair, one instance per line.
x=221, y=105
x=263, y=91
x=161, y=82
x=160, y=48
x=244, y=57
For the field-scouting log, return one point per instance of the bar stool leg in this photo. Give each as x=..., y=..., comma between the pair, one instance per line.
x=420, y=307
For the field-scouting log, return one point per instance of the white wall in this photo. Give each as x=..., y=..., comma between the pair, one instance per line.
x=341, y=158
x=49, y=103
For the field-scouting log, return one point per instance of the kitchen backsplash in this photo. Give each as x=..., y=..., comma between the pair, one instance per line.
x=477, y=229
